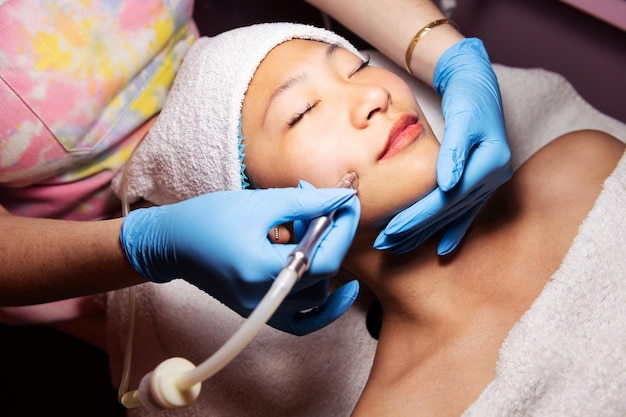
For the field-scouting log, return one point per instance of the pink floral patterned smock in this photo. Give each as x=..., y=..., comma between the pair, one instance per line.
x=78, y=81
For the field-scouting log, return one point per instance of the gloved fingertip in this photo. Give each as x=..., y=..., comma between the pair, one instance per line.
x=456, y=231
x=383, y=242
x=302, y=184
x=449, y=170
x=447, y=246
x=335, y=306
x=380, y=242
x=342, y=299
x=448, y=180
x=350, y=291
x=396, y=225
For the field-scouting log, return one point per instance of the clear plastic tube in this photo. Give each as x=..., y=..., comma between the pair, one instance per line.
x=256, y=321
x=130, y=325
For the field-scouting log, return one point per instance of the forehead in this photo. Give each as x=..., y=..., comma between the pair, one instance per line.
x=284, y=67
x=291, y=62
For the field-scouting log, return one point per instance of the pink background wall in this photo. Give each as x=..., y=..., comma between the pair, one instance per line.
x=612, y=11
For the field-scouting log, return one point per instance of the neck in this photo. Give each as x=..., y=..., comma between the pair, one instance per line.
x=432, y=308
x=419, y=287
x=429, y=293
x=444, y=319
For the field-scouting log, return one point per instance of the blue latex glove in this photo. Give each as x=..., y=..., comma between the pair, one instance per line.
x=219, y=243
x=474, y=158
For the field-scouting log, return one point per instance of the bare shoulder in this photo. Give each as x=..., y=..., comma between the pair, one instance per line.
x=588, y=144
x=574, y=164
x=559, y=184
x=587, y=155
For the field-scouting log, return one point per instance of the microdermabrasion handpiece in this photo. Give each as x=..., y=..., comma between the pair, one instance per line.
x=175, y=382
x=299, y=260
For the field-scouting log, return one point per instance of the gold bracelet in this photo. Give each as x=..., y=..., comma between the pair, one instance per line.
x=420, y=35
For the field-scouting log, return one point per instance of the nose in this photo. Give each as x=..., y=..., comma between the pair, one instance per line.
x=367, y=102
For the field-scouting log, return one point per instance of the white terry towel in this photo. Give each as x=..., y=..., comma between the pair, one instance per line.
x=322, y=374
x=567, y=355
x=193, y=147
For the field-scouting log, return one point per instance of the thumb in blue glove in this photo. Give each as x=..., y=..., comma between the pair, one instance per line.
x=218, y=242
x=474, y=158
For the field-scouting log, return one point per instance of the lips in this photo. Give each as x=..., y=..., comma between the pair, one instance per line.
x=404, y=132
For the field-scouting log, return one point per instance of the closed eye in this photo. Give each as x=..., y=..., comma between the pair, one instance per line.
x=363, y=65
x=300, y=115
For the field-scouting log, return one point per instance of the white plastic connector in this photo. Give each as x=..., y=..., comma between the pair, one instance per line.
x=158, y=389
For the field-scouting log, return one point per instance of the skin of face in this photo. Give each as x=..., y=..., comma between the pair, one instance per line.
x=314, y=112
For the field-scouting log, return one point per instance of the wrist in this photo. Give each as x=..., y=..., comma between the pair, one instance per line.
x=427, y=46
x=138, y=244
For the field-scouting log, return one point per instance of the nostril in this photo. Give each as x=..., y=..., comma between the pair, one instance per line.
x=372, y=113
x=383, y=101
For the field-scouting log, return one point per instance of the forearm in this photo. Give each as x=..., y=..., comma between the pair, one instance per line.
x=390, y=25
x=46, y=260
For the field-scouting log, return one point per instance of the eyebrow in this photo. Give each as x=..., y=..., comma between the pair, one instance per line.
x=294, y=81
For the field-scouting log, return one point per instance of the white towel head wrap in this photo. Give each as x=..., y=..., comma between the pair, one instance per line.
x=194, y=146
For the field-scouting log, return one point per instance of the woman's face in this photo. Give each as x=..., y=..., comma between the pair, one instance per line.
x=315, y=112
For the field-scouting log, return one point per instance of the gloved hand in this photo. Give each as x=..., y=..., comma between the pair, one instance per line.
x=474, y=158
x=345, y=295
x=219, y=243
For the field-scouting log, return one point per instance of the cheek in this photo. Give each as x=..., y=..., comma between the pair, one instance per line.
x=263, y=163
x=319, y=163
x=269, y=163
x=322, y=163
